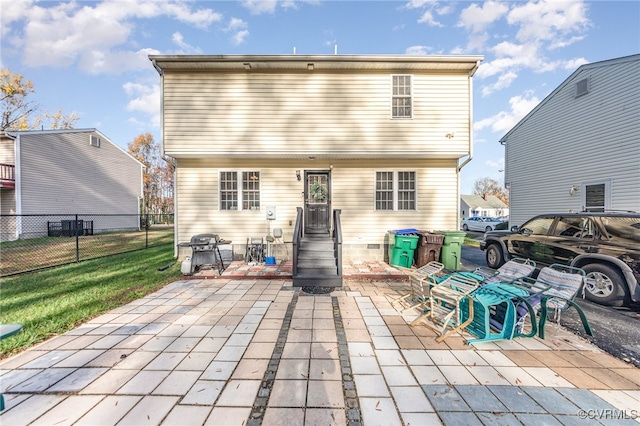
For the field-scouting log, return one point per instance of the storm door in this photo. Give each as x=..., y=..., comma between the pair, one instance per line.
x=317, y=202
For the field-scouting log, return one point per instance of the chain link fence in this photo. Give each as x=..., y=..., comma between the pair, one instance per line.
x=31, y=242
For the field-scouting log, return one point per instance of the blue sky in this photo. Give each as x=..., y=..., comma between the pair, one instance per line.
x=90, y=58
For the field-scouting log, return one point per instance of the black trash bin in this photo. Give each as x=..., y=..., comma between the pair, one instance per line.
x=429, y=246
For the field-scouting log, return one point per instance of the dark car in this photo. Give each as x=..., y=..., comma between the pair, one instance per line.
x=605, y=245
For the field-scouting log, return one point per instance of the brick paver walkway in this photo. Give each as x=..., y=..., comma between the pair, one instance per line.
x=258, y=351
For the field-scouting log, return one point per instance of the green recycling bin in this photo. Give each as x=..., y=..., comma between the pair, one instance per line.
x=452, y=249
x=402, y=245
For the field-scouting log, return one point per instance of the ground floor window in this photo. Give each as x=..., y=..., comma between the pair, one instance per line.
x=240, y=190
x=395, y=190
x=596, y=196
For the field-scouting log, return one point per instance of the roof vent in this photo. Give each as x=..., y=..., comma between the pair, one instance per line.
x=94, y=141
x=582, y=87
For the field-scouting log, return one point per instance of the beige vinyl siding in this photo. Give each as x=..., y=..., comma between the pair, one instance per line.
x=352, y=191
x=7, y=195
x=209, y=114
x=63, y=173
x=7, y=150
x=572, y=141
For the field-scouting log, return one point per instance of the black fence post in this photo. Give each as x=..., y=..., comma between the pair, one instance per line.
x=146, y=231
x=77, y=232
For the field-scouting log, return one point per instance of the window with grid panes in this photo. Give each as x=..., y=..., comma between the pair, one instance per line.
x=401, y=100
x=384, y=190
x=251, y=190
x=395, y=190
x=406, y=190
x=236, y=197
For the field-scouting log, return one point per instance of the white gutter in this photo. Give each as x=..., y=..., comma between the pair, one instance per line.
x=165, y=158
x=470, y=117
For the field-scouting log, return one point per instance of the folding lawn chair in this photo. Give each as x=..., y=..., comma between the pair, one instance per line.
x=450, y=306
x=420, y=281
x=554, y=289
x=512, y=270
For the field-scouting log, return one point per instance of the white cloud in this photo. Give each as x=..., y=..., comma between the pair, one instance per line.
x=258, y=7
x=239, y=31
x=416, y=50
x=145, y=99
x=505, y=120
x=548, y=20
x=98, y=37
x=427, y=18
x=478, y=18
x=503, y=82
x=534, y=30
x=185, y=48
x=496, y=164
x=417, y=4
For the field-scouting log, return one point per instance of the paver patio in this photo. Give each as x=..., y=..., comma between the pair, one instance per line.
x=249, y=351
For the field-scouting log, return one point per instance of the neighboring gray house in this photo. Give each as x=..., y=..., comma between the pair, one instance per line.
x=579, y=148
x=482, y=205
x=62, y=172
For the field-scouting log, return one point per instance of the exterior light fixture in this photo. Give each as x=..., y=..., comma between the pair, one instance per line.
x=573, y=189
x=247, y=66
x=298, y=175
x=310, y=66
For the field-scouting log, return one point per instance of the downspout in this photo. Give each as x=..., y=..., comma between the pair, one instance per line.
x=471, y=73
x=470, y=157
x=168, y=159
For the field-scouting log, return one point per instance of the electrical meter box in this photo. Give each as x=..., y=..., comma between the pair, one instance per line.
x=271, y=212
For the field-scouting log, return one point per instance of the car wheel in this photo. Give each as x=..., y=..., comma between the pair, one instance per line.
x=465, y=227
x=487, y=229
x=604, y=285
x=495, y=258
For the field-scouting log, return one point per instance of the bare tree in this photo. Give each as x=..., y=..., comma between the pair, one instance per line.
x=489, y=186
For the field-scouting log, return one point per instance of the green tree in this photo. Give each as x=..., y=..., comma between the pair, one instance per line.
x=489, y=186
x=17, y=109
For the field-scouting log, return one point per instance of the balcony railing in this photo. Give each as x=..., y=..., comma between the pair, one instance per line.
x=7, y=176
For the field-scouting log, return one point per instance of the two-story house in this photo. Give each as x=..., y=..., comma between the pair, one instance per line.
x=64, y=172
x=579, y=149
x=380, y=138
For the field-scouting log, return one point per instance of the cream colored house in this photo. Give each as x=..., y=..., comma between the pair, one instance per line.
x=380, y=138
x=50, y=174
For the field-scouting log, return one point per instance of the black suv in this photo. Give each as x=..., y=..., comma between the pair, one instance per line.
x=605, y=245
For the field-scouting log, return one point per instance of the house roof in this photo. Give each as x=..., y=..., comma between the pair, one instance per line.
x=16, y=133
x=567, y=81
x=475, y=201
x=310, y=63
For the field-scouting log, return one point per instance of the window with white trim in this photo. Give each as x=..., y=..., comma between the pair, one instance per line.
x=596, y=196
x=240, y=190
x=401, y=98
x=395, y=190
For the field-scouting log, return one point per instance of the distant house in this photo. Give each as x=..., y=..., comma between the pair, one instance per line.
x=62, y=172
x=579, y=149
x=381, y=138
x=482, y=205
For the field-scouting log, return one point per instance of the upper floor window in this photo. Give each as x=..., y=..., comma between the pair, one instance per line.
x=401, y=99
x=239, y=190
x=395, y=190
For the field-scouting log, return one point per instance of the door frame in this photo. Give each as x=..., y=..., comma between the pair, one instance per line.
x=308, y=216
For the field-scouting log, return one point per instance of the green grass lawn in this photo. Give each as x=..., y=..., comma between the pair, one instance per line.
x=54, y=301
